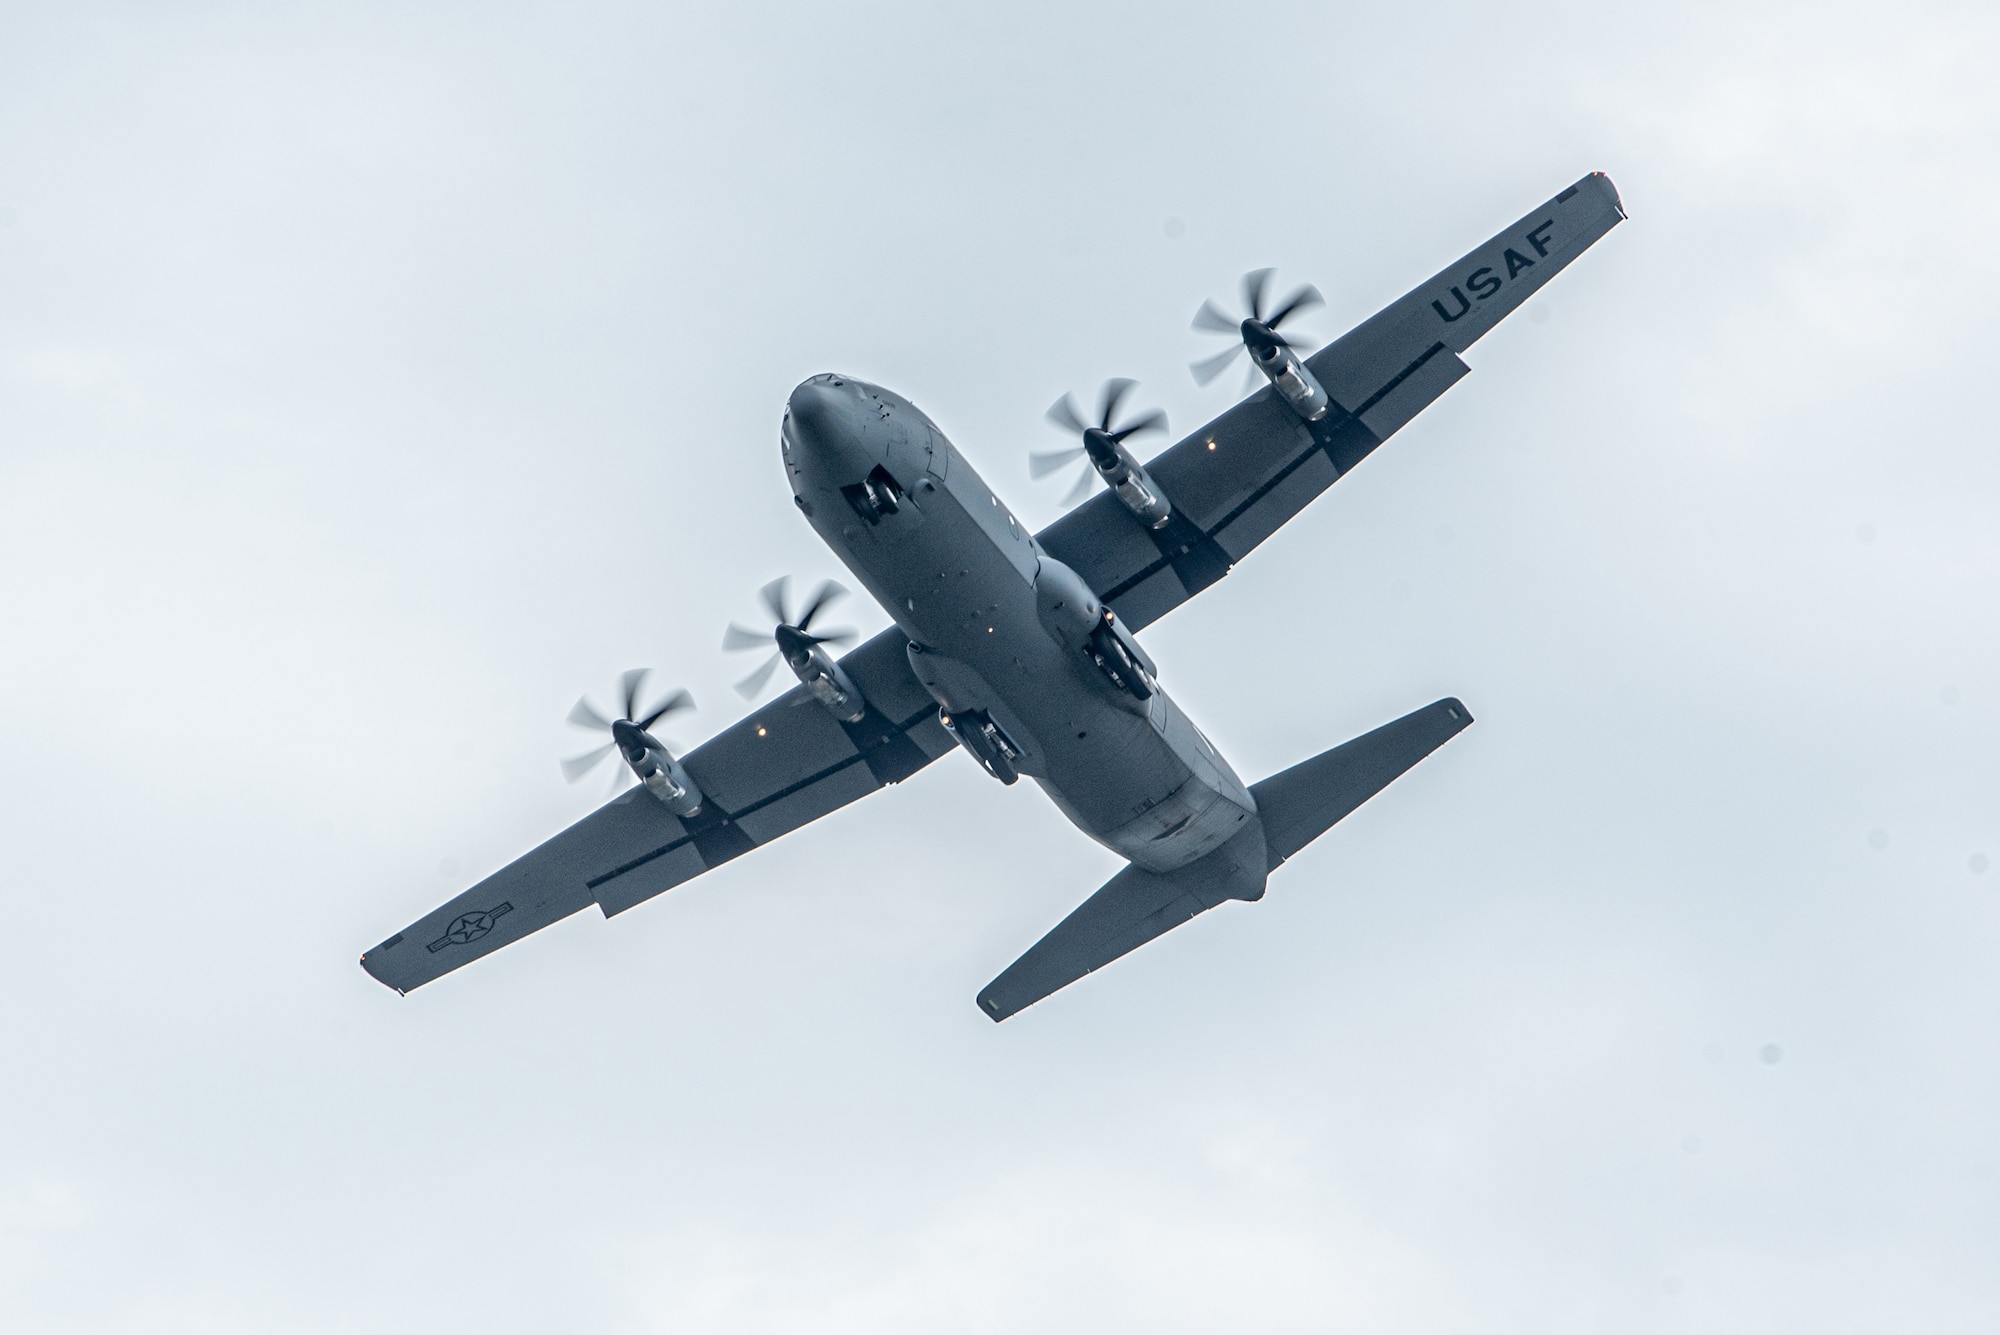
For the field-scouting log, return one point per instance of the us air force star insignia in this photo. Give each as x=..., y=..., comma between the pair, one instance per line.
x=469, y=927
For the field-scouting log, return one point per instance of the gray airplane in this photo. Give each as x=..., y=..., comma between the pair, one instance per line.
x=1021, y=648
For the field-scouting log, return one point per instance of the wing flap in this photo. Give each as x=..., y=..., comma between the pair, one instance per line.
x=783, y=743
x=1426, y=380
x=808, y=801
x=655, y=876
x=1288, y=493
x=1253, y=441
x=1149, y=596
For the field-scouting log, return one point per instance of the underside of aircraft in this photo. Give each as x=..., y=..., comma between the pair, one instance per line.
x=1021, y=648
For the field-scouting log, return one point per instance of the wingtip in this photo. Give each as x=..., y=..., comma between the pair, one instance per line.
x=368, y=962
x=1617, y=202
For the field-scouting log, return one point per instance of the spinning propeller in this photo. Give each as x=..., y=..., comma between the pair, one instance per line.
x=624, y=729
x=1257, y=330
x=1099, y=441
x=793, y=636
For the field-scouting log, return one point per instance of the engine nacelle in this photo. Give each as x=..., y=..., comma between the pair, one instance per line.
x=665, y=779
x=1296, y=384
x=648, y=758
x=832, y=687
x=1129, y=481
x=818, y=673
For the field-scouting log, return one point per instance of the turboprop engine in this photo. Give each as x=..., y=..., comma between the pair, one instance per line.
x=656, y=767
x=1104, y=446
x=1271, y=352
x=798, y=648
x=649, y=759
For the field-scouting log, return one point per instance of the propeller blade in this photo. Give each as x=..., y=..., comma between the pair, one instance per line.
x=1114, y=392
x=736, y=639
x=775, y=596
x=629, y=682
x=1211, y=320
x=583, y=716
x=1152, y=421
x=841, y=636
x=1251, y=377
x=1063, y=413
x=577, y=766
x=1082, y=487
x=756, y=681
x=1208, y=368
x=1043, y=462
x=679, y=700
x=832, y=591
x=1304, y=299
x=1254, y=284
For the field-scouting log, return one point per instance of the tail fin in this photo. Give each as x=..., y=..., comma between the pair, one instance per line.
x=1294, y=807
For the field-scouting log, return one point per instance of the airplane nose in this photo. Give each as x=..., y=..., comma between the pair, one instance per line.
x=829, y=425
x=817, y=409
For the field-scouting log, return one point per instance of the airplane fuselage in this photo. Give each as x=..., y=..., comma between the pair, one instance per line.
x=1031, y=672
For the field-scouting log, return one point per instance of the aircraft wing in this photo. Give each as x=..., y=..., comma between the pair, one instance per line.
x=789, y=763
x=1237, y=480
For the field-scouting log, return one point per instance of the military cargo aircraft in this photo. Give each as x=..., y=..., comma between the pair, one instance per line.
x=1021, y=648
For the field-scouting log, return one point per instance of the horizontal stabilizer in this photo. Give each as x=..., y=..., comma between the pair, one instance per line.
x=1294, y=807
x=1302, y=803
x=1133, y=907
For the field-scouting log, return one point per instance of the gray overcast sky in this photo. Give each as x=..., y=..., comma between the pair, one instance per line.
x=375, y=378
